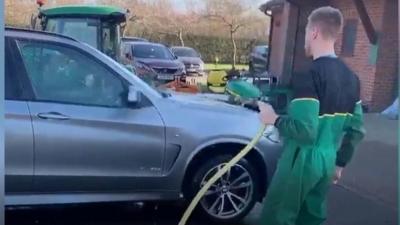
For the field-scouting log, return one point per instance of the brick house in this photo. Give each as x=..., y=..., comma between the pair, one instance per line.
x=368, y=44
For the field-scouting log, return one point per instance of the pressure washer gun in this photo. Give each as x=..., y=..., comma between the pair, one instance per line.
x=245, y=94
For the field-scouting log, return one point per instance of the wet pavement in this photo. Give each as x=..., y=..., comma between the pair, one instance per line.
x=366, y=195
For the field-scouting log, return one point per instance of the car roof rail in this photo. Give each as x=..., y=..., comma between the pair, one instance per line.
x=40, y=32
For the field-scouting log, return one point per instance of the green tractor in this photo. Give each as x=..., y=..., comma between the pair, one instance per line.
x=98, y=26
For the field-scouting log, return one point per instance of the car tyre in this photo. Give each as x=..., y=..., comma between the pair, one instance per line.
x=233, y=196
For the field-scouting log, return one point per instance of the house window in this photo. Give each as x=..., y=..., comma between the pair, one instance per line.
x=349, y=37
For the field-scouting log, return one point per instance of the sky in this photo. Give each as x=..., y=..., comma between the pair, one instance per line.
x=180, y=4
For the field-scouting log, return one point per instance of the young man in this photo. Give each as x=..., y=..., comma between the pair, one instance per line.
x=322, y=128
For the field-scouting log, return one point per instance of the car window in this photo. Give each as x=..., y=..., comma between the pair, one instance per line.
x=110, y=39
x=185, y=52
x=84, y=30
x=261, y=50
x=151, y=51
x=65, y=75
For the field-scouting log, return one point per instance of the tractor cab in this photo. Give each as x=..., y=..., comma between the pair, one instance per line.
x=98, y=26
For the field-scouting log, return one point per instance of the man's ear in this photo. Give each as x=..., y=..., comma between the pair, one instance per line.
x=315, y=32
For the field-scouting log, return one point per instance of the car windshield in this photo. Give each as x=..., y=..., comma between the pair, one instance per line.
x=88, y=30
x=151, y=51
x=83, y=29
x=185, y=52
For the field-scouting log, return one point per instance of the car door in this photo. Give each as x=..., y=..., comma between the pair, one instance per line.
x=87, y=137
x=18, y=131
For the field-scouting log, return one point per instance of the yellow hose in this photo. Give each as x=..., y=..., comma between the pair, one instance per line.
x=219, y=174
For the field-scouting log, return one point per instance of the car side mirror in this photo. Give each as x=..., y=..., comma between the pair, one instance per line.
x=134, y=95
x=175, y=57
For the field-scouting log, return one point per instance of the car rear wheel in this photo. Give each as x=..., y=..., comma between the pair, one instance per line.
x=232, y=196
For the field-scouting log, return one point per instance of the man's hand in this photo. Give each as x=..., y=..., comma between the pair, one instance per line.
x=338, y=174
x=267, y=113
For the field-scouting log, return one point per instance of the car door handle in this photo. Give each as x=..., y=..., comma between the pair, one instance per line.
x=52, y=116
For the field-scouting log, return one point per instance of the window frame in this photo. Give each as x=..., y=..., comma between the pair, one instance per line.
x=23, y=83
x=31, y=95
x=13, y=86
x=348, y=45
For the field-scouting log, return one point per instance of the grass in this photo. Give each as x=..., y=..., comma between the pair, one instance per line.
x=212, y=66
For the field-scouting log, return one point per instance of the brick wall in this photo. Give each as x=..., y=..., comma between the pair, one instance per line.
x=386, y=77
x=359, y=62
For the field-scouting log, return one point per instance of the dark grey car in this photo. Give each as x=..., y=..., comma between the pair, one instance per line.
x=156, y=56
x=259, y=59
x=191, y=58
x=81, y=128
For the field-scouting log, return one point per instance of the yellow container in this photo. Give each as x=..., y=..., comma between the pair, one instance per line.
x=216, y=81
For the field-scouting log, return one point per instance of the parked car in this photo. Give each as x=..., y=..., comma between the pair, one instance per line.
x=259, y=59
x=157, y=56
x=130, y=39
x=191, y=58
x=80, y=128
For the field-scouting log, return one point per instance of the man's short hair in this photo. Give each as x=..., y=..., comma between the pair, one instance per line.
x=328, y=19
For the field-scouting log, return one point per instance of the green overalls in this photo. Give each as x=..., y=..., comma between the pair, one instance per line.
x=322, y=128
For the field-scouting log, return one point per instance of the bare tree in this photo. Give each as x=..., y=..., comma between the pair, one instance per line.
x=131, y=18
x=18, y=13
x=233, y=14
x=169, y=21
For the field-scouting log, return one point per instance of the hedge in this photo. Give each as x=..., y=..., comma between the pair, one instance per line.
x=209, y=47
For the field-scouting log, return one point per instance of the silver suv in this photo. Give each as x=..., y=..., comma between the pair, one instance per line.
x=81, y=128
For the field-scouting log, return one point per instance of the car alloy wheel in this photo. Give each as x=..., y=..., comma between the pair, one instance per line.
x=230, y=194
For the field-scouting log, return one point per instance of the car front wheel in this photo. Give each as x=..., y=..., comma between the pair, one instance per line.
x=232, y=196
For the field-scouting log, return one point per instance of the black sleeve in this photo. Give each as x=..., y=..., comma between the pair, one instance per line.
x=354, y=131
x=305, y=84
